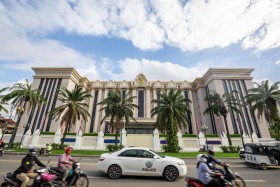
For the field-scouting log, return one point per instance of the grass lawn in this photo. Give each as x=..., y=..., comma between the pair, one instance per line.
x=98, y=153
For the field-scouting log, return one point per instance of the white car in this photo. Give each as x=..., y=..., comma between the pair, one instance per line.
x=141, y=162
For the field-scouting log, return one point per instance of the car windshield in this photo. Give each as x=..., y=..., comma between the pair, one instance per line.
x=162, y=156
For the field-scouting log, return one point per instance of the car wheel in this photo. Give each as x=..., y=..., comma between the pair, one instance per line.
x=263, y=166
x=170, y=173
x=114, y=172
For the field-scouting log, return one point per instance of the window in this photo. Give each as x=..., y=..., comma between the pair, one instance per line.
x=129, y=153
x=145, y=154
x=141, y=105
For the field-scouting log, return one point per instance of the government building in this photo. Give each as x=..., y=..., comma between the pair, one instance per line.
x=49, y=80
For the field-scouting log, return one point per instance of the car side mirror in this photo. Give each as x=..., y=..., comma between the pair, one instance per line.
x=155, y=157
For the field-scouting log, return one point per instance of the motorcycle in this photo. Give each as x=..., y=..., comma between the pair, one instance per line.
x=194, y=182
x=2, y=150
x=44, y=151
x=44, y=179
x=230, y=179
x=76, y=176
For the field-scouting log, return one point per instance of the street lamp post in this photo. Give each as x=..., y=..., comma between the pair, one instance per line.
x=204, y=128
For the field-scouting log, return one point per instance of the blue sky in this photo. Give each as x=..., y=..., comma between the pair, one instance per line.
x=118, y=39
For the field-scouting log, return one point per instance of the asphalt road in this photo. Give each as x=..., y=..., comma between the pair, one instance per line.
x=253, y=177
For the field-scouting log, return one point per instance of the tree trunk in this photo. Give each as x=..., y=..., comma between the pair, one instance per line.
x=229, y=139
x=15, y=130
x=65, y=132
x=116, y=136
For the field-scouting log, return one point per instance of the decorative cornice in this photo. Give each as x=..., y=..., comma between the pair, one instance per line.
x=222, y=74
x=64, y=73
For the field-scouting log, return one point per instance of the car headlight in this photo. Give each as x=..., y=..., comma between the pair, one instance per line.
x=181, y=163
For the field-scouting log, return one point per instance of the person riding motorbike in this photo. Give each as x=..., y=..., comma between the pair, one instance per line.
x=204, y=172
x=2, y=144
x=47, y=149
x=211, y=159
x=64, y=163
x=24, y=173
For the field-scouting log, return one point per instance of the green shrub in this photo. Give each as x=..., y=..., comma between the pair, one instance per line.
x=48, y=133
x=235, y=135
x=111, y=148
x=162, y=135
x=171, y=149
x=90, y=134
x=57, y=146
x=230, y=149
x=189, y=135
x=109, y=134
x=16, y=145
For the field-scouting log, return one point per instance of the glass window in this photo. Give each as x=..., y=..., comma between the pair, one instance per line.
x=141, y=101
x=145, y=154
x=129, y=153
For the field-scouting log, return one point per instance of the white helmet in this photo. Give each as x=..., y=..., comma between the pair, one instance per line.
x=201, y=158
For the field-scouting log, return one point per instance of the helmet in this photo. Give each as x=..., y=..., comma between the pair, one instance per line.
x=211, y=152
x=201, y=158
x=32, y=151
x=68, y=149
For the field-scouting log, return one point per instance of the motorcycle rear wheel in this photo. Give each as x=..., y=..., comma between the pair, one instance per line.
x=238, y=182
x=5, y=184
x=82, y=181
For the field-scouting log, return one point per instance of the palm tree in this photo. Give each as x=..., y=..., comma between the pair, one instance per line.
x=22, y=98
x=2, y=108
x=172, y=114
x=220, y=105
x=264, y=99
x=118, y=108
x=72, y=109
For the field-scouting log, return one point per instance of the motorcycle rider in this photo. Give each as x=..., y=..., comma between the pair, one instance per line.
x=64, y=163
x=204, y=172
x=211, y=159
x=24, y=173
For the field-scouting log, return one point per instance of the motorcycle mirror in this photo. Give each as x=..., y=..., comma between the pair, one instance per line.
x=49, y=161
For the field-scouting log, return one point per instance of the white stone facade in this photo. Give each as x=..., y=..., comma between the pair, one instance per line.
x=50, y=80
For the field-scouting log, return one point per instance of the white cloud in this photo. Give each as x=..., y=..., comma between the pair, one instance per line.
x=277, y=62
x=155, y=70
x=195, y=25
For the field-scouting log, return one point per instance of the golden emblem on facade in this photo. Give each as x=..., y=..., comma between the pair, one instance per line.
x=141, y=80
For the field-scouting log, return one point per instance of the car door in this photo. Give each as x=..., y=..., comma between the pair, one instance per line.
x=129, y=162
x=148, y=165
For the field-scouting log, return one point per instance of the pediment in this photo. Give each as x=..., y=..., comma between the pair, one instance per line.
x=158, y=84
x=110, y=84
x=96, y=84
x=172, y=84
x=124, y=84
x=140, y=80
x=185, y=84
